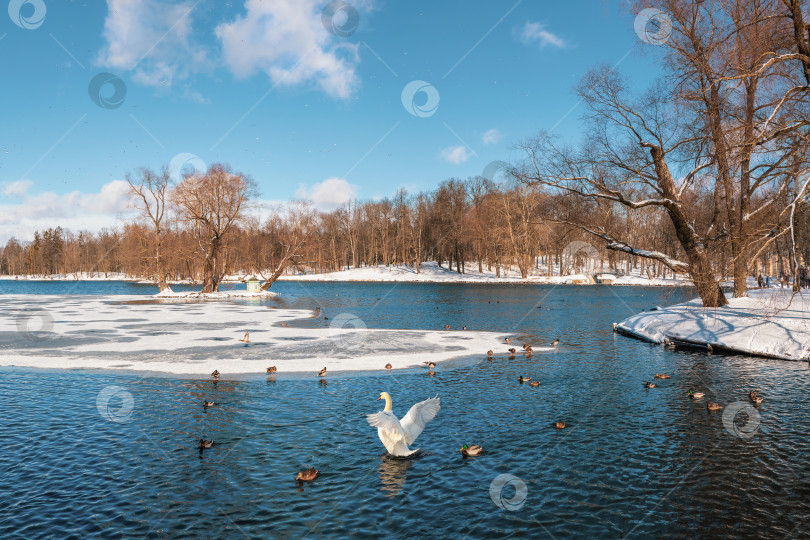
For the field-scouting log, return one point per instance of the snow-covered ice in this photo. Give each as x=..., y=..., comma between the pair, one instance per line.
x=769, y=322
x=138, y=333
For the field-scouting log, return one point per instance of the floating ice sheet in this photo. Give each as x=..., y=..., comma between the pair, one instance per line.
x=134, y=333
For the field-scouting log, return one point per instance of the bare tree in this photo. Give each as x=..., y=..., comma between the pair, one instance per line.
x=214, y=203
x=293, y=227
x=149, y=189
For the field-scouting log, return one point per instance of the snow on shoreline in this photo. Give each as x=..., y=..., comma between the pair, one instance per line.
x=219, y=295
x=770, y=322
x=137, y=333
x=430, y=272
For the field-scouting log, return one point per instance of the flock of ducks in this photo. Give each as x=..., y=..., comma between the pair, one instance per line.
x=755, y=398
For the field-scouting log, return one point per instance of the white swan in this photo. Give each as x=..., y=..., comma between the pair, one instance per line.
x=397, y=435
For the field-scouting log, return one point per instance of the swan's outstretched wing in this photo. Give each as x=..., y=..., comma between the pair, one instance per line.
x=420, y=414
x=387, y=423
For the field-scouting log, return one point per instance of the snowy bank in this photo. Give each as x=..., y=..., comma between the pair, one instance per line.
x=197, y=337
x=219, y=295
x=770, y=322
x=430, y=272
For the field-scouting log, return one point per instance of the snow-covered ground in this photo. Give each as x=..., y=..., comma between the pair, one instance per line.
x=219, y=295
x=431, y=272
x=195, y=338
x=770, y=322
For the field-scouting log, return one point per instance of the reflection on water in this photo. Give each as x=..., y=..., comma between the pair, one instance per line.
x=632, y=461
x=393, y=473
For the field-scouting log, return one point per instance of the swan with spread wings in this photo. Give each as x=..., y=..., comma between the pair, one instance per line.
x=395, y=434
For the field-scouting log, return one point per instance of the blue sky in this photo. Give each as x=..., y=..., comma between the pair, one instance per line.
x=264, y=86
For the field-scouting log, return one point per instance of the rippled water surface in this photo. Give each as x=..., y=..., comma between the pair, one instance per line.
x=632, y=462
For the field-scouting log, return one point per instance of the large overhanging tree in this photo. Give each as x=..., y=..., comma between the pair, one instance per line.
x=724, y=124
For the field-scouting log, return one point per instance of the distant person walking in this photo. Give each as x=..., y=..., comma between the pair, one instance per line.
x=806, y=277
x=760, y=282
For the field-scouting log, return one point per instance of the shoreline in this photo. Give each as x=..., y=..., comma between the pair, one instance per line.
x=769, y=323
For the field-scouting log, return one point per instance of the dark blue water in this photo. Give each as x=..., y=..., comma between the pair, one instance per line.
x=632, y=462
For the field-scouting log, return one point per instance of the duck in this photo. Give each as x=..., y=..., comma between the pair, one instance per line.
x=555, y=343
x=534, y=384
x=661, y=376
x=490, y=353
x=755, y=398
x=649, y=385
x=696, y=395
x=397, y=434
x=205, y=444
x=523, y=379
x=559, y=425
x=271, y=370
x=215, y=374
x=388, y=366
x=464, y=327
x=283, y=325
x=430, y=364
x=512, y=350
x=246, y=339
x=322, y=373
x=472, y=450
x=711, y=406
x=307, y=475
x=207, y=404
x=506, y=340
x=447, y=327
x=529, y=350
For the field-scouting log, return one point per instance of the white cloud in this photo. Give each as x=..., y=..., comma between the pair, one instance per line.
x=287, y=40
x=534, y=32
x=492, y=136
x=456, y=154
x=16, y=189
x=329, y=194
x=75, y=211
x=153, y=39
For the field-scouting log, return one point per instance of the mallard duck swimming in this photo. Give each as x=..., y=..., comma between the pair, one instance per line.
x=430, y=365
x=661, y=376
x=512, y=350
x=472, y=450
x=754, y=397
x=246, y=339
x=447, y=327
x=207, y=404
x=696, y=395
x=322, y=373
x=307, y=475
x=205, y=444
x=464, y=327
x=559, y=425
x=271, y=370
x=388, y=366
x=534, y=384
x=490, y=353
x=523, y=379
x=649, y=385
x=555, y=343
x=713, y=406
x=215, y=374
